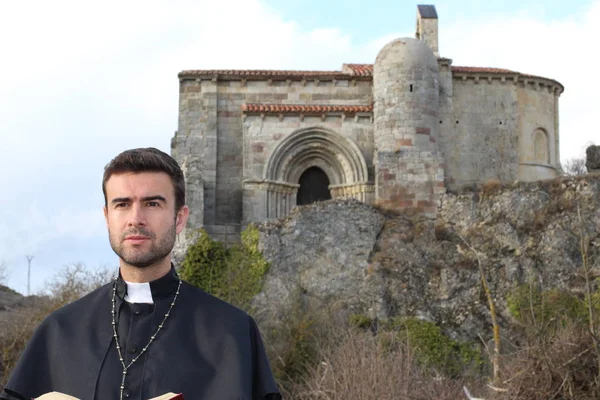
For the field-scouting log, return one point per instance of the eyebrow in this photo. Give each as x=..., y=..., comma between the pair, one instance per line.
x=144, y=199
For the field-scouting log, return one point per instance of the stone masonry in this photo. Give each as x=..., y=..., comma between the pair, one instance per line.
x=398, y=133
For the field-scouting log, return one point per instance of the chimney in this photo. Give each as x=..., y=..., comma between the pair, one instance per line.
x=427, y=27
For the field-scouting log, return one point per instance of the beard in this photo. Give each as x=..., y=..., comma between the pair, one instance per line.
x=143, y=258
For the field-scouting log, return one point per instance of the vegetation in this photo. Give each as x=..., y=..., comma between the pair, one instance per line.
x=557, y=359
x=574, y=167
x=3, y=272
x=314, y=356
x=69, y=284
x=550, y=345
x=355, y=364
x=204, y=265
x=435, y=351
x=533, y=307
x=233, y=274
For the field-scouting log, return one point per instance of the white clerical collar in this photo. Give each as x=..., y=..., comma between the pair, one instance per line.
x=138, y=293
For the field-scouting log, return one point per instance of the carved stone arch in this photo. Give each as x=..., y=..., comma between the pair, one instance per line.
x=541, y=146
x=339, y=157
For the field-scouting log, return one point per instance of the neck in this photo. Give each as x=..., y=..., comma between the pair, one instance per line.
x=150, y=273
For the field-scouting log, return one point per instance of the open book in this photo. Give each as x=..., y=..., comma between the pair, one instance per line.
x=62, y=396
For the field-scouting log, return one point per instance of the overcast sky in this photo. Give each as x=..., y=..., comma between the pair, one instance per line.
x=81, y=81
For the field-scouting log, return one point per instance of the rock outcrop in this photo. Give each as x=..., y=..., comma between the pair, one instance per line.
x=355, y=259
x=592, y=158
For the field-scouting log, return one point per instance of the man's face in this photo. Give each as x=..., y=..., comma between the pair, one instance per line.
x=140, y=216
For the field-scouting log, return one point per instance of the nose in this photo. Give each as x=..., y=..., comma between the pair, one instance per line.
x=137, y=216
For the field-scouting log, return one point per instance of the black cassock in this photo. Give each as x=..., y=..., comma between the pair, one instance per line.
x=207, y=349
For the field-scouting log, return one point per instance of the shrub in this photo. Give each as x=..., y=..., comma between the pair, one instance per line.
x=360, y=321
x=234, y=275
x=432, y=349
x=246, y=269
x=535, y=308
x=204, y=263
x=560, y=366
x=355, y=364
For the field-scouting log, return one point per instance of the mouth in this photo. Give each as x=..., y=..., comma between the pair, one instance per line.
x=136, y=239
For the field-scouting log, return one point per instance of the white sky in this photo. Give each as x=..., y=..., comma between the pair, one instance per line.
x=81, y=81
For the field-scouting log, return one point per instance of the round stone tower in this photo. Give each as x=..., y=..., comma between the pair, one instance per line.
x=408, y=166
x=405, y=92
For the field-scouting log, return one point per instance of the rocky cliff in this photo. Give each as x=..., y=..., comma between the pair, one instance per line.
x=352, y=258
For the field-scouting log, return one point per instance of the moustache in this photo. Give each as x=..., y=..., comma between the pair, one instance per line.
x=138, y=232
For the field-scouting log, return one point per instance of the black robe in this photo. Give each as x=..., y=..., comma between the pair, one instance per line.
x=207, y=349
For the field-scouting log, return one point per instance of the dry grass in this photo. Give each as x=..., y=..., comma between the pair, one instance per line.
x=347, y=362
x=561, y=367
x=359, y=365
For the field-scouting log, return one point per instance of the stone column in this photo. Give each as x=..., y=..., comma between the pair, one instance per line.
x=264, y=200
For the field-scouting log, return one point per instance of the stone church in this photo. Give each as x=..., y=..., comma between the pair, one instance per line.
x=398, y=133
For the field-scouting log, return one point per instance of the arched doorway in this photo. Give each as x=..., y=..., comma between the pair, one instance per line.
x=331, y=166
x=314, y=186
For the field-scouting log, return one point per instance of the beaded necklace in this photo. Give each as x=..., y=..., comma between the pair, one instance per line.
x=114, y=325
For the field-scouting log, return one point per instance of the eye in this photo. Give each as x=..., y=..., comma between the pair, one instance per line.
x=120, y=205
x=152, y=204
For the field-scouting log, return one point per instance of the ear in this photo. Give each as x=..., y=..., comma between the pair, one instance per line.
x=182, y=216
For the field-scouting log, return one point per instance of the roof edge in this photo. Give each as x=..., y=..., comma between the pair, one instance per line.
x=478, y=71
x=264, y=74
x=270, y=108
x=349, y=71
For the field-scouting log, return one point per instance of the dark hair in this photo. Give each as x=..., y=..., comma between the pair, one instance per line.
x=147, y=160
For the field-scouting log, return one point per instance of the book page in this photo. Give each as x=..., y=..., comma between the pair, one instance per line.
x=62, y=396
x=56, y=396
x=168, y=396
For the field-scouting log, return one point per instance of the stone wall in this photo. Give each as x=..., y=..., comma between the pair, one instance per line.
x=211, y=133
x=263, y=135
x=194, y=146
x=537, y=124
x=409, y=179
x=341, y=146
x=479, y=137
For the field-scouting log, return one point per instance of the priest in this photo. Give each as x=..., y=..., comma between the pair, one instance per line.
x=146, y=333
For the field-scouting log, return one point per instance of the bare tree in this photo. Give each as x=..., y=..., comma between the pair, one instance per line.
x=574, y=167
x=75, y=280
x=3, y=272
x=493, y=314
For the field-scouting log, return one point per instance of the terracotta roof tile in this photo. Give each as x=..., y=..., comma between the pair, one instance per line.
x=482, y=70
x=305, y=109
x=347, y=69
x=359, y=69
x=364, y=71
x=257, y=73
